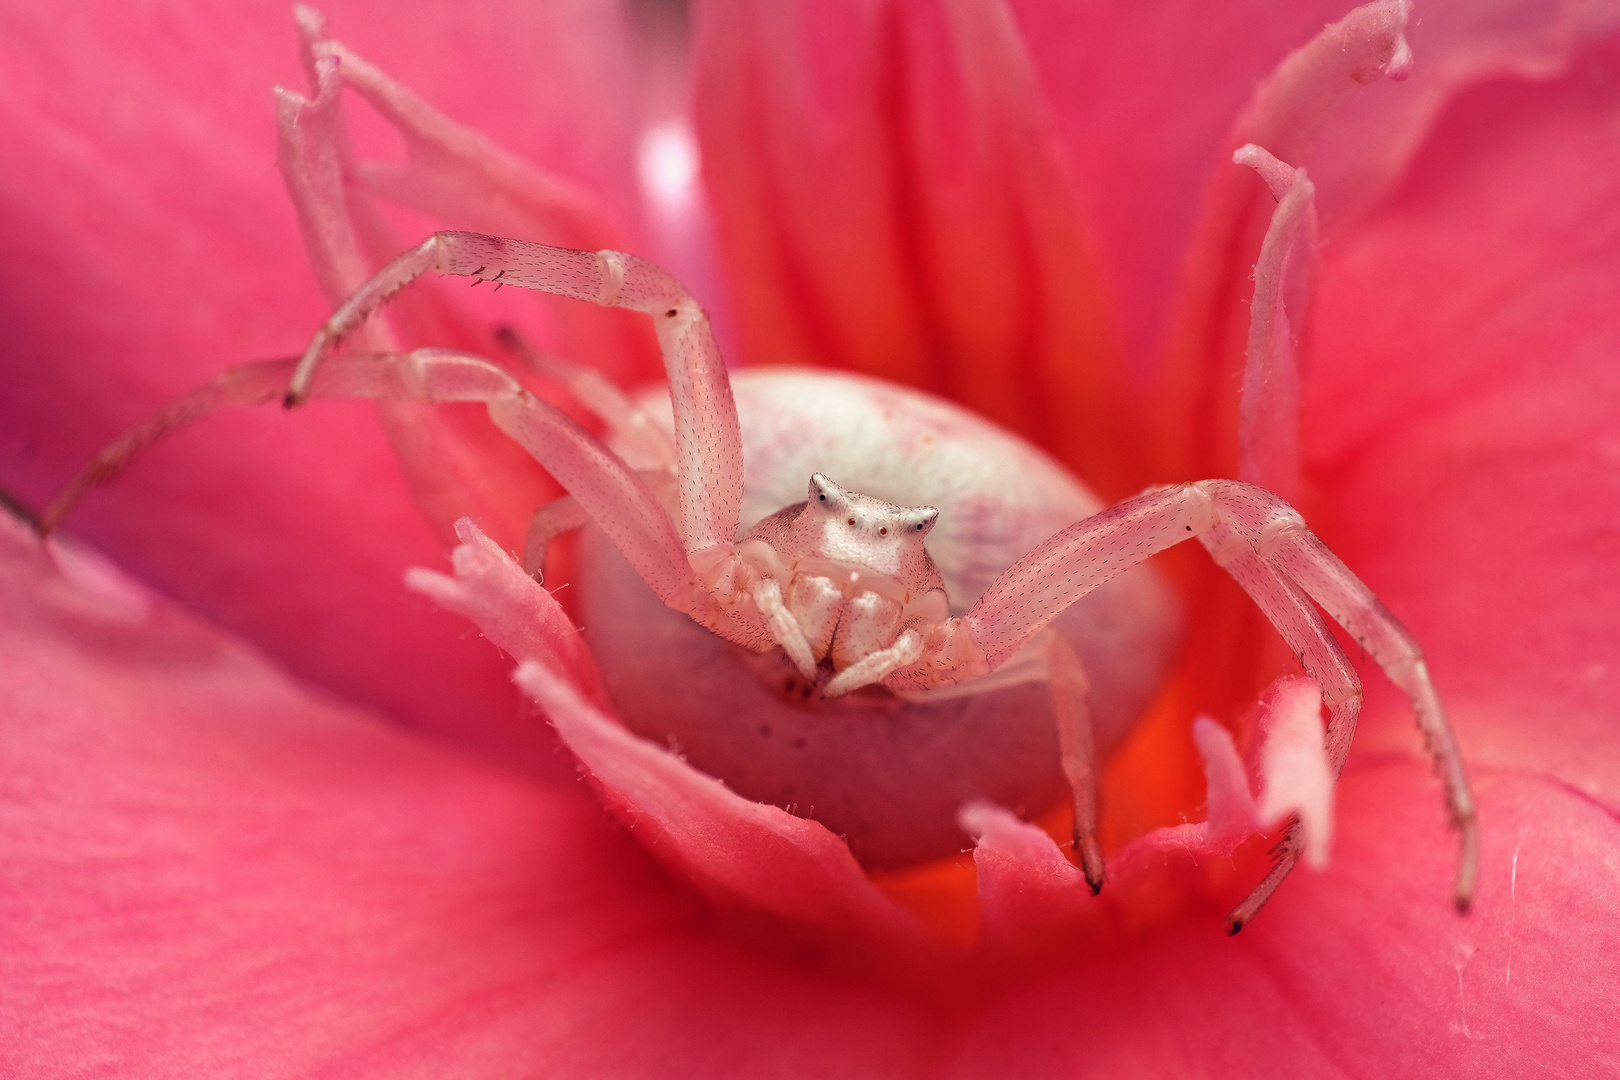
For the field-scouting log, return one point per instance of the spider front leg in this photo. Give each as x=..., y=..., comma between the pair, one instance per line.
x=708, y=441
x=692, y=568
x=1283, y=566
x=599, y=483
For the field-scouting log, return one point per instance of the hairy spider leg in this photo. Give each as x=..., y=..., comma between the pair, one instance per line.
x=630, y=425
x=561, y=515
x=244, y=385
x=1066, y=678
x=1069, y=564
x=260, y=382
x=1301, y=625
x=619, y=413
x=708, y=441
x=604, y=486
x=565, y=514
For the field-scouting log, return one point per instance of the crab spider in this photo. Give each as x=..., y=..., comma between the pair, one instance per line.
x=841, y=585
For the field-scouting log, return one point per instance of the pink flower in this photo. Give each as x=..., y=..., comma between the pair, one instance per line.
x=215, y=862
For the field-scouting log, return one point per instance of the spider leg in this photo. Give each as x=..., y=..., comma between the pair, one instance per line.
x=631, y=425
x=602, y=485
x=1250, y=530
x=245, y=384
x=1299, y=554
x=708, y=442
x=1070, y=689
x=1307, y=634
x=783, y=628
x=565, y=514
x=907, y=647
x=561, y=515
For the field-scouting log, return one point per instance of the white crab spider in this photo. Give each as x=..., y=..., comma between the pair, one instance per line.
x=838, y=592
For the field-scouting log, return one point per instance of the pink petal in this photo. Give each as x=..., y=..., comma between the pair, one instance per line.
x=745, y=855
x=1030, y=894
x=301, y=889
x=1295, y=777
x=459, y=178
x=1028, y=891
x=456, y=462
x=1362, y=971
x=1268, y=403
x=750, y=858
x=149, y=244
x=1287, y=113
x=1231, y=812
x=891, y=199
x=514, y=612
x=1143, y=95
x=1171, y=69
x=207, y=870
x=1462, y=421
x=1457, y=45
